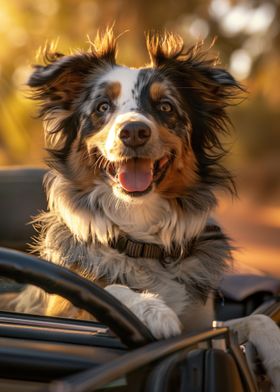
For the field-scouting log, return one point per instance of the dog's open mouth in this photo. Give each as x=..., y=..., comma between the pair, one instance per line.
x=137, y=175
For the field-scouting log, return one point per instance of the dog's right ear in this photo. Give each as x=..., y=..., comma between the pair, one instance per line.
x=60, y=81
x=59, y=84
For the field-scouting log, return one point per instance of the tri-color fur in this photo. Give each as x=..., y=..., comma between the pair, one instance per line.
x=87, y=99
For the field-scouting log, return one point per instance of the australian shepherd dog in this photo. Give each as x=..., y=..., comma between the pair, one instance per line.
x=135, y=157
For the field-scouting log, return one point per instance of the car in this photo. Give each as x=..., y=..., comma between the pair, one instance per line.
x=117, y=353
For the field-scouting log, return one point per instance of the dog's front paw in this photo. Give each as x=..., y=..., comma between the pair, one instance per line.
x=161, y=320
x=157, y=316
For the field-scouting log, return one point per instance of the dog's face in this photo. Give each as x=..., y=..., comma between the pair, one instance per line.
x=140, y=131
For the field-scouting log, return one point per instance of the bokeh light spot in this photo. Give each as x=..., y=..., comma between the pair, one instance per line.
x=240, y=63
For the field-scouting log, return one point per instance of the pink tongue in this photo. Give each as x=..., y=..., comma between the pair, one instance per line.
x=136, y=175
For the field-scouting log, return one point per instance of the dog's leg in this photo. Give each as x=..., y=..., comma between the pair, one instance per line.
x=150, y=309
x=264, y=334
x=61, y=307
x=31, y=300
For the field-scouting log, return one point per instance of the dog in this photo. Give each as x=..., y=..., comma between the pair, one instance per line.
x=135, y=158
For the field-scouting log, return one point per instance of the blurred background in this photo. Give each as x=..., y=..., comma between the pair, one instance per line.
x=248, y=41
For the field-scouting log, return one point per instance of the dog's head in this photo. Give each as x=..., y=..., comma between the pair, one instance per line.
x=146, y=130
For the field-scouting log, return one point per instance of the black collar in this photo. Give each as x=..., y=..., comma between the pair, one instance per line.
x=137, y=249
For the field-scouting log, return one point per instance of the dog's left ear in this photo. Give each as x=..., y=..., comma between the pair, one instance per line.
x=192, y=71
x=205, y=91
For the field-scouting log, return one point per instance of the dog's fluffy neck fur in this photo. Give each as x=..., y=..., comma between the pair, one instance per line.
x=100, y=216
x=77, y=230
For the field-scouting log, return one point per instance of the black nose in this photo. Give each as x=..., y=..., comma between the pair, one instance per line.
x=135, y=134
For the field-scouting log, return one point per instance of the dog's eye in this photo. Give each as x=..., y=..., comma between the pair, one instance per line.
x=165, y=107
x=103, y=107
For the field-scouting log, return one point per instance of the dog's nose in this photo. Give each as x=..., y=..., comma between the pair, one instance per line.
x=135, y=134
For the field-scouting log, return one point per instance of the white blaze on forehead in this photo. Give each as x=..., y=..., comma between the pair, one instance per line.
x=127, y=77
x=126, y=105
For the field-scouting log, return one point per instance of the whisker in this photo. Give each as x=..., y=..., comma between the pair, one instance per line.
x=100, y=162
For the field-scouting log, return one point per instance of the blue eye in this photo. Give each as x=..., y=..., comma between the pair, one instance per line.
x=103, y=107
x=165, y=107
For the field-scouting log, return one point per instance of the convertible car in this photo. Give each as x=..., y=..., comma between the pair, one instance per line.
x=117, y=353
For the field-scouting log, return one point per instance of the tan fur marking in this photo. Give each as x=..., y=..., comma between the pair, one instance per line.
x=99, y=139
x=113, y=90
x=84, y=167
x=65, y=87
x=157, y=90
x=83, y=177
x=181, y=175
